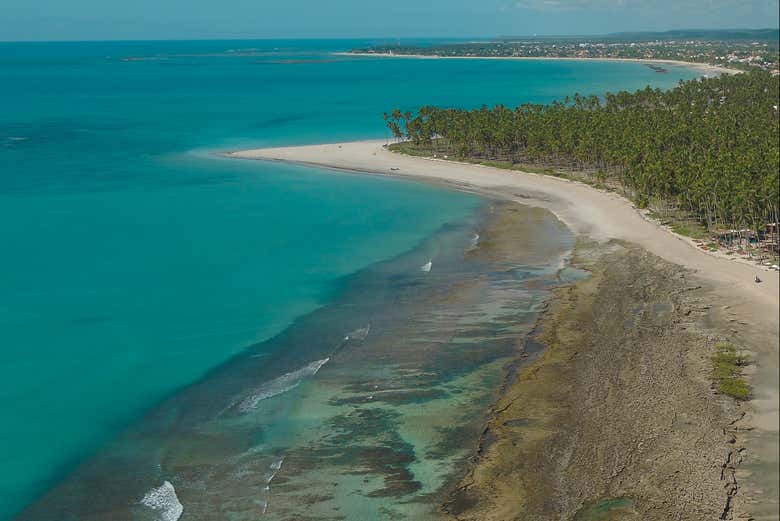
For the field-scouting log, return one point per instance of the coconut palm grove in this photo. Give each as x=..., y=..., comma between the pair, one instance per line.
x=706, y=149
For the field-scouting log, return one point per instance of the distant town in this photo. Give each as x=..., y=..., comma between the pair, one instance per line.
x=743, y=50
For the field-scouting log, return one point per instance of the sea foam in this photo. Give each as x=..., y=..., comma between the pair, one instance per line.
x=276, y=464
x=164, y=501
x=359, y=334
x=280, y=385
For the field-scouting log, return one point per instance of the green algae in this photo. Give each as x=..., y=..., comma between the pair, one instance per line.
x=611, y=509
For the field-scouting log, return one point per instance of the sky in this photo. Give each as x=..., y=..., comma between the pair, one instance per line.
x=208, y=19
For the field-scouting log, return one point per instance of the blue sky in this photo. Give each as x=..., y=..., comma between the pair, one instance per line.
x=155, y=19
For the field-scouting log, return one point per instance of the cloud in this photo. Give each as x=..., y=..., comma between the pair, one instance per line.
x=556, y=5
x=642, y=5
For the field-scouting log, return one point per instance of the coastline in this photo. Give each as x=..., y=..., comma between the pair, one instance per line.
x=704, y=68
x=344, y=421
x=746, y=311
x=599, y=214
x=629, y=346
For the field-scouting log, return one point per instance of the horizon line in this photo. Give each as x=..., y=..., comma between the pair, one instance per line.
x=483, y=37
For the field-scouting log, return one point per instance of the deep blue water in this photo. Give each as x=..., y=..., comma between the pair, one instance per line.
x=134, y=261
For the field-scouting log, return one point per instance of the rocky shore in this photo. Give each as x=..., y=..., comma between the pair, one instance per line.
x=618, y=418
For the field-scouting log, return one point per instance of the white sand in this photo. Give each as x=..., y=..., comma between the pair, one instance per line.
x=601, y=215
x=704, y=68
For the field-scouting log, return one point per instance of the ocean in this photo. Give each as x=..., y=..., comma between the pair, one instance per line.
x=176, y=327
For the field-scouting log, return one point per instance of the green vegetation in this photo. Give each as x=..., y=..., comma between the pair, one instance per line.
x=706, y=151
x=741, y=49
x=691, y=229
x=606, y=510
x=723, y=35
x=727, y=366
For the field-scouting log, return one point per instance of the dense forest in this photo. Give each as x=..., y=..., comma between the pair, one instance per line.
x=708, y=147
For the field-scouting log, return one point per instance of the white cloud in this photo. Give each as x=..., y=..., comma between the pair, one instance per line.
x=555, y=5
x=643, y=5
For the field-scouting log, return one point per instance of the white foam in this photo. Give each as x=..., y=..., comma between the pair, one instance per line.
x=565, y=260
x=427, y=266
x=359, y=334
x=280, y=385
x=276, y=464
x=163, y=500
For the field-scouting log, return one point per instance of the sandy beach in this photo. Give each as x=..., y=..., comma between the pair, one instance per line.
x=740, y=309
x=704, y=68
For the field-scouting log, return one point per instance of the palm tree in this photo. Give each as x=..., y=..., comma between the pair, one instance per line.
x=709, y=147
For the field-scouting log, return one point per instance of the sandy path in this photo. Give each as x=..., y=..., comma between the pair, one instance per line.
x=600, y=215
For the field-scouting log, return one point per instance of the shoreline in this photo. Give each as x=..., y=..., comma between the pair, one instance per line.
x=343, y=364
x=576, y=204
x=605, y=216
x=705, y=68
x=654, y=444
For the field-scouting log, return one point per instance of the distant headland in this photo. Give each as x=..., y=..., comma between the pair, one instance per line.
x=734, y=49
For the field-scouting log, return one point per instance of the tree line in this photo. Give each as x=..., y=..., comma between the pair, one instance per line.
x=708, y=146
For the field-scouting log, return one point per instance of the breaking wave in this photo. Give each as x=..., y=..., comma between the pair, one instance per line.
x=358, y=334
x=280, y=385
x=276, y=464
x=163, y=500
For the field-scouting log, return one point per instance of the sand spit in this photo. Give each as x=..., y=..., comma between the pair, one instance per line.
x=739, y=308
x=704, y=68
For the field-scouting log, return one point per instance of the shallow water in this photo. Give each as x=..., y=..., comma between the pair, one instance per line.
x=134, y=262
x=380, y=401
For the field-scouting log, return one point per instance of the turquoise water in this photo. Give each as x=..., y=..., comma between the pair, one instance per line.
x=134, y=261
